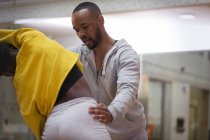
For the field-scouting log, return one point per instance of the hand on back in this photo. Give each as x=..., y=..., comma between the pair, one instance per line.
x=101, y=113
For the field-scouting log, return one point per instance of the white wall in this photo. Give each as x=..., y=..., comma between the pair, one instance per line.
x=167, y=66
x=68, y=41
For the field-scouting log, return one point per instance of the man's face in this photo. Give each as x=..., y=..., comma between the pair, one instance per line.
x=86, y=26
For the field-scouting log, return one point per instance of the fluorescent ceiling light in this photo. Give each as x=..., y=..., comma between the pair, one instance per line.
x=187, y=16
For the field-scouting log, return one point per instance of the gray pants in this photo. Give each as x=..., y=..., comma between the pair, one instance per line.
x=71, y=121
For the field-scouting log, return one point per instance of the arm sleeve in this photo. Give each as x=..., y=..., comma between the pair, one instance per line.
x=127, y=83
x=37, y=126
x=19, y=37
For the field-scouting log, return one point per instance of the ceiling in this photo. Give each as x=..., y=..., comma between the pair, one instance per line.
x=9, y=2
x=151, y=31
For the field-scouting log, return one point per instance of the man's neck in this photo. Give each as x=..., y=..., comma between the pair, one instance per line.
x=101, y=50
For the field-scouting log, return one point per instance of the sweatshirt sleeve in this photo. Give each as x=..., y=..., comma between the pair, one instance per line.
x=18, y=37
x=128, y=74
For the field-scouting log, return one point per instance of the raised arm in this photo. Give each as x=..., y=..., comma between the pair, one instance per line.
x=18, y=38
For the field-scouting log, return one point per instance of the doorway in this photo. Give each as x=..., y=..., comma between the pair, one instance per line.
x=198, y=115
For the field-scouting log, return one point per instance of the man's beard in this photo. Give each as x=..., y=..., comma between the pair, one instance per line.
x=96, y=40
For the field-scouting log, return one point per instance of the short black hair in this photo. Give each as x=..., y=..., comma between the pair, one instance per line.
x=4, y=55
x=90, y=6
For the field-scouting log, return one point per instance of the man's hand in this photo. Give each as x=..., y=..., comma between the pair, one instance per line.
x=101, y=113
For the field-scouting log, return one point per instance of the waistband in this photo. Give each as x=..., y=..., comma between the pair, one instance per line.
x=73, y=102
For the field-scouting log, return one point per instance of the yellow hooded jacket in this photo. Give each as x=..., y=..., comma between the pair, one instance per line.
x=42, y=66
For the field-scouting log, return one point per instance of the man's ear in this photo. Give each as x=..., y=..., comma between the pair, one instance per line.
x=101, y=20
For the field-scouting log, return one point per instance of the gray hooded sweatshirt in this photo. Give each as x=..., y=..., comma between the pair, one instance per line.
x=116, y=85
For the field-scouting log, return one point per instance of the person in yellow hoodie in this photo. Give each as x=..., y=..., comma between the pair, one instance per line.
x=52, y=94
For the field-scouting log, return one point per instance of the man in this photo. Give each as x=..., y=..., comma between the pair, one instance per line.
x=112, y=69
x=52, y=94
